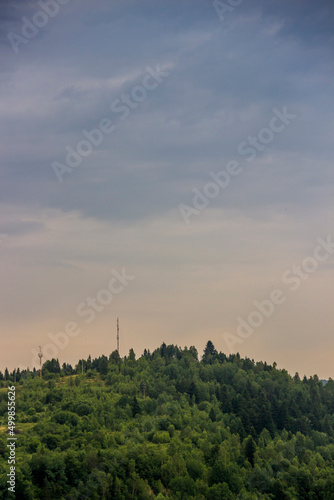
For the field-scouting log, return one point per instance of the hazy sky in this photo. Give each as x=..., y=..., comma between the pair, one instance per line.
x=179, y=93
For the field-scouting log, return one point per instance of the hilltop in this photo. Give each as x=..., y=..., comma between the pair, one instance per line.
x=169, y=426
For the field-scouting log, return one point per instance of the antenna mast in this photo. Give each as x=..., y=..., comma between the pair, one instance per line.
x=40, y=355
x=118, y=335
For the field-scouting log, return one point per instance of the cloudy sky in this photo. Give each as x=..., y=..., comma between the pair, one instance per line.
x=178, y=93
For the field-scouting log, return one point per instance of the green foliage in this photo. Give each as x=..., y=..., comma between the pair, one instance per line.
x=250, y=449
x=169, y=426
x=51, y=366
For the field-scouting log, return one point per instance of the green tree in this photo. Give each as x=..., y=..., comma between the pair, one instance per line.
x=135, y=407
x=250, y=449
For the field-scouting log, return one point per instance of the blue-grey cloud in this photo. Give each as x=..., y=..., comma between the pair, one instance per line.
x=225, y=78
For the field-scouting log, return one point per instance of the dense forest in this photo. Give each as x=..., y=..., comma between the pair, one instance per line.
x=169, y=426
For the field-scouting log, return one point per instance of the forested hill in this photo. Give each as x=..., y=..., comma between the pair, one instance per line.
x=169, y=426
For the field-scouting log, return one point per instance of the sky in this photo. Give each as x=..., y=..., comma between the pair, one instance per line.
x=170, y=164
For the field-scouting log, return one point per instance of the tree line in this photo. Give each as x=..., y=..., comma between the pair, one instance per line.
x=170, y=426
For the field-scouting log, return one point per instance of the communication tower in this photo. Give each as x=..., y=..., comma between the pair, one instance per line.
x=118, y=335
x=40, y=355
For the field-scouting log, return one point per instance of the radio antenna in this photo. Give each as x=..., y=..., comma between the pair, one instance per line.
x=118, y=335
x=40, y=355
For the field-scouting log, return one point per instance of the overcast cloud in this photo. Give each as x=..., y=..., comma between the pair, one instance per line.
x=120, y=207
